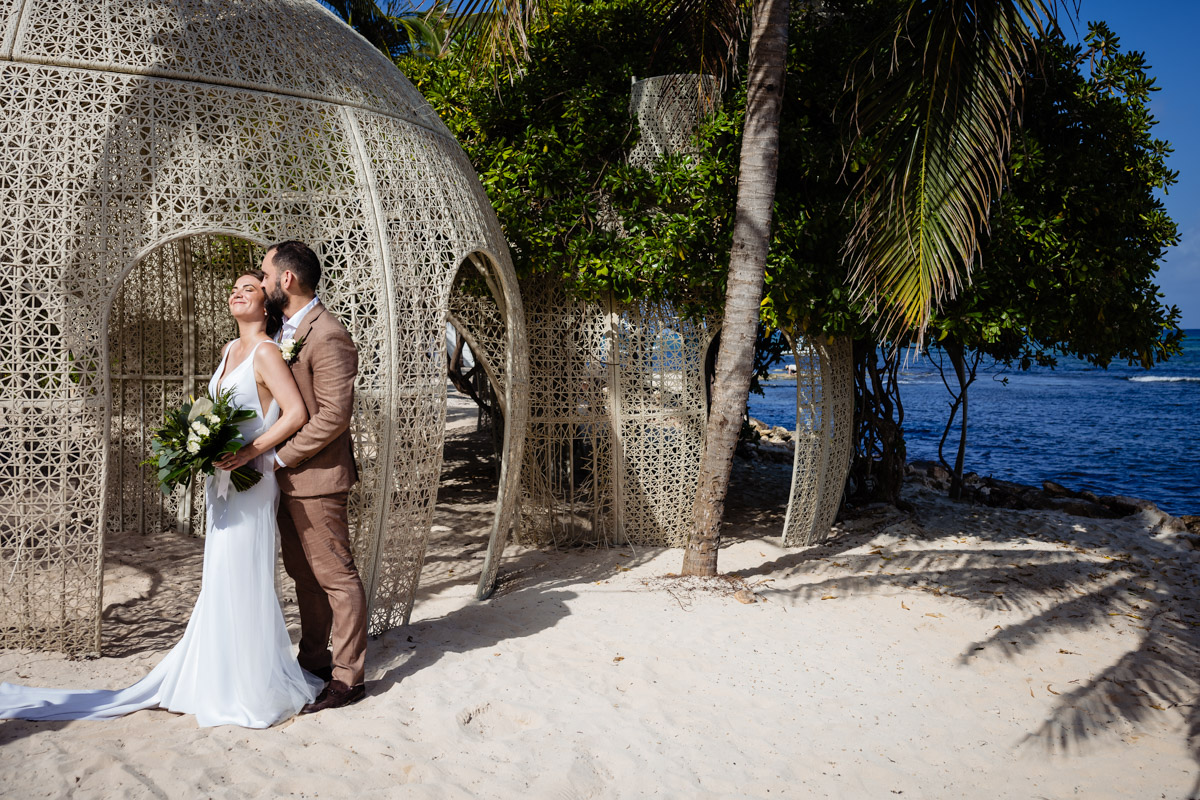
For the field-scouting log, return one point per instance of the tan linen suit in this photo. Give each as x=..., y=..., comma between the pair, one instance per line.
x=314, y=527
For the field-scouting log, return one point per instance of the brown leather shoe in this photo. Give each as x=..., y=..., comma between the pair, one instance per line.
x=335, y=695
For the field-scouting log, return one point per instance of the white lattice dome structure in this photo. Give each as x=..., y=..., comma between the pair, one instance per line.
x=152, y=149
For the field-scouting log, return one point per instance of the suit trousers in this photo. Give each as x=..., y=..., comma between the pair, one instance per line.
x=314, y=534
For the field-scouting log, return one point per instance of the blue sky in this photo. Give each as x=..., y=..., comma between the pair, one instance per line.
x=1165, y=30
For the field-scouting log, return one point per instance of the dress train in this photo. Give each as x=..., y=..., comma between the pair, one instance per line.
x=235, y=663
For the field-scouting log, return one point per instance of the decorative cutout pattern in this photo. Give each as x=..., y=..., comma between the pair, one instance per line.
x=824, y=425
x=277, y=46
x=616, y=425
x=153, y=146
x=668, y=109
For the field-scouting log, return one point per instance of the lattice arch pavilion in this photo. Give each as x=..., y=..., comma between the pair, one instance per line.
x=617, y=394
x=152, y=149
x=823, y=439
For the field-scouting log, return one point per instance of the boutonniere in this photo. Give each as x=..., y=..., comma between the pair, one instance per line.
x=290, y=348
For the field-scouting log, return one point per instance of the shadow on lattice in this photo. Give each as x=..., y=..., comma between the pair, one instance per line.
x=462, y=521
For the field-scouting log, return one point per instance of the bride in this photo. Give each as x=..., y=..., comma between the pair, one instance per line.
x=234, y=664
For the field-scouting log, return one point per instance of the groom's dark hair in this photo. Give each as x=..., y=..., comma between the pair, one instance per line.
x=298, y=259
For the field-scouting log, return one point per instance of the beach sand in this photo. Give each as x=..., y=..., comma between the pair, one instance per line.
x=960, y=652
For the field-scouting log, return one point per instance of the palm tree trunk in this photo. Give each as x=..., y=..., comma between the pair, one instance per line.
x=743, y=294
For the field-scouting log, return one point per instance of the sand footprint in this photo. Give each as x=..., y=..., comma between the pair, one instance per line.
x=586, y=778
x=498, y=720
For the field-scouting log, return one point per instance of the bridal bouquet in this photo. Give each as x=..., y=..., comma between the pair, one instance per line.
x=194, y=436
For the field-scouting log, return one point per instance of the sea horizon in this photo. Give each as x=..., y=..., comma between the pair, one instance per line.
x=1121, y=430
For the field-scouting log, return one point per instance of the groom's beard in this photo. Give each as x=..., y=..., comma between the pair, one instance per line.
x=277, y=301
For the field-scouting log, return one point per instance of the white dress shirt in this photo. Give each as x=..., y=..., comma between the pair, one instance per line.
x=288, y=331
x=292, y=324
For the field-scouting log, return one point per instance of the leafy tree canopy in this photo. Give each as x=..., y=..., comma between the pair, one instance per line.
x=1067, y=266
x=550, y=146
x=1076, y=241
x=807, y=291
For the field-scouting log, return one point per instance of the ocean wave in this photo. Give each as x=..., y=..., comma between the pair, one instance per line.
x=1165, y=379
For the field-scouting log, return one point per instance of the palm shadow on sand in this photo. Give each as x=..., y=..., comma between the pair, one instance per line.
x=1150, y=586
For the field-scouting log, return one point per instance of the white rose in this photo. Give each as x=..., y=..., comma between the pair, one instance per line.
x=200, y=428
x=193, y=446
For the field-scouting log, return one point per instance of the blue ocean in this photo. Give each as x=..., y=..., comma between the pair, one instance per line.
x=1121, y=430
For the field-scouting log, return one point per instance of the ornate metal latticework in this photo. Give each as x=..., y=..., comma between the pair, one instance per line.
x=824, y=426
x=659, y=409
x=152, y=148
x=616, y=424
x=568, y=445
x=668, y=108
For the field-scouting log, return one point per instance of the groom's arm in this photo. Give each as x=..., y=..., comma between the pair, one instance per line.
x=334, y=367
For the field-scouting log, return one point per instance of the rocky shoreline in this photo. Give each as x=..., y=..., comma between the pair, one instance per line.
x=1051, y=496
x=777, y=444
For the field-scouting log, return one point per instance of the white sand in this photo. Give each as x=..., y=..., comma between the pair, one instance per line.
x=973, y=653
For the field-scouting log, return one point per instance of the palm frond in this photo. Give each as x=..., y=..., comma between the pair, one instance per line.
x=496, y=31
x=936, y=111
x=395, y=27
x=713, y=31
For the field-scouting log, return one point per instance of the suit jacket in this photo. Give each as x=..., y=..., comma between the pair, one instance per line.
x=320, y=456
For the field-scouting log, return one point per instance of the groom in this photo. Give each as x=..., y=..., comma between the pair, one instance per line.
x=316, y=469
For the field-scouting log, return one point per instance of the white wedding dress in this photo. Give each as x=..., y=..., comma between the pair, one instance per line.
x=234, y=664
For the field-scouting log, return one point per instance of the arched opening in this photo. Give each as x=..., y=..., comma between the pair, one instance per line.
x=166, y=325
x=477, y=503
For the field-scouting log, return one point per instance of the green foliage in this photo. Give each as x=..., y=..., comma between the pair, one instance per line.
x=550, y=148
x=550, y=144
x=1074, y=242
x=806, y=290
x=1077, y=237
x=395, y=27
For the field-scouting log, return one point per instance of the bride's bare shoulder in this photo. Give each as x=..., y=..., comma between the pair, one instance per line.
x=267, y=350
